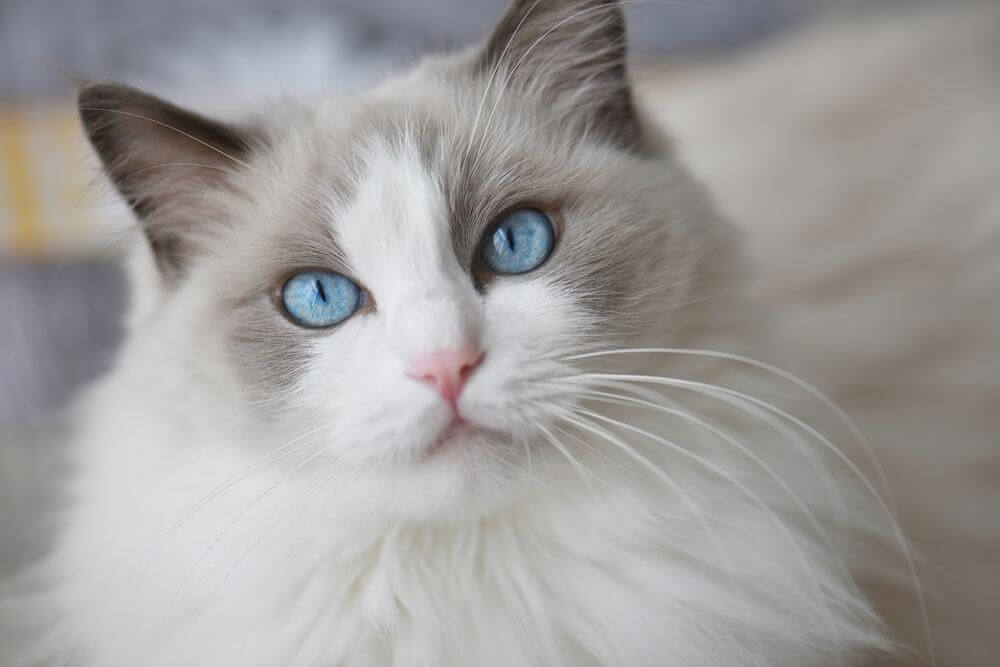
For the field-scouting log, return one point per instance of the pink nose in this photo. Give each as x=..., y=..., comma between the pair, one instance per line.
x=447, y=370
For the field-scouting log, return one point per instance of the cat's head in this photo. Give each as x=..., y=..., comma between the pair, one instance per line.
x=395, y=280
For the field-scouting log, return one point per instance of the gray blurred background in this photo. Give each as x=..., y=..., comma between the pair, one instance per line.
x=60, y=311
x=40, y=40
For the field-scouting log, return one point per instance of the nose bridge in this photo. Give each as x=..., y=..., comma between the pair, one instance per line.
x=435, y=314
x=426, y=300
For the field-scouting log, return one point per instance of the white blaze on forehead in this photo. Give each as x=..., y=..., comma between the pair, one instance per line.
x=397, y=235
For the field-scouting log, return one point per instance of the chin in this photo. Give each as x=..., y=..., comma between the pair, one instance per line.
x=463, y=473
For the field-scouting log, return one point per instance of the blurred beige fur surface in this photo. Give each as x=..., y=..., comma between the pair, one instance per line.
x=861, y=158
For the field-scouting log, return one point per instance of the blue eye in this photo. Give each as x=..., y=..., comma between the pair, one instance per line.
x=520, y=242
x=320, y=299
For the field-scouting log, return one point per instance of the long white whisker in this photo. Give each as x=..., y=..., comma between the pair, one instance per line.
x=596, y=451
x=493, y=76
x=326, y=473
x=225, y=531
x=221, y=152
x=782, y=373
x=527, y=454
x=517, y=65
x=662, y=476
x=264, y=461
x=586, y=476
x=710, y=389
x=312, y=520
x=739, y=446
x=309, y=494
x=756, y=499
x=782, y=429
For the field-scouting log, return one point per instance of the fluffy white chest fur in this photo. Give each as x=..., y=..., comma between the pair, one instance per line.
x=611, y=563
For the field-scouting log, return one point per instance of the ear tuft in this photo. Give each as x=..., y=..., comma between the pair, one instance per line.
x=160, y=158
x=573, y=53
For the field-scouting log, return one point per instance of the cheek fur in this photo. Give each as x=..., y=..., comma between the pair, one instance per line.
x=356, y=388
x=531, y=326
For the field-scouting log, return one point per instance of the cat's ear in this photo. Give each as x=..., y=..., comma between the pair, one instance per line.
x=573, y=53
x=163, y=160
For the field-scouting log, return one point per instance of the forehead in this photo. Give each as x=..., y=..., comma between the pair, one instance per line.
x=402, y=157
x=396, y=223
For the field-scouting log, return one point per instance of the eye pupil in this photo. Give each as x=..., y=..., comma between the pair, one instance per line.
x=509, y=236
x=503, y=240
x=320, y=290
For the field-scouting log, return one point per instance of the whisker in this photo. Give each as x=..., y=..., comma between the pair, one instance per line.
x=240, y=515
x=743, y=449
x=527, y=454
x=336, y=467
x=596, y=451
x=586, y=476
x=777, y=425
x=221, y=152
x=609, y=7
x=782, y=373
x=756, y=499
x=312, y=520
x=221, y=488
x=172, y=129
x=517, y=65
x=200, y=613
x=662, y=476
x=709, y=389
x=327, y=473
x=493, y=75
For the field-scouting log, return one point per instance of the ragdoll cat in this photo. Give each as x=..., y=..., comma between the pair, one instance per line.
x=447, y=373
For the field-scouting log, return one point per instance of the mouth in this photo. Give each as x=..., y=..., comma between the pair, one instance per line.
x=458, y=430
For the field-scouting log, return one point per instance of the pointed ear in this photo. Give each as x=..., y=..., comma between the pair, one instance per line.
x=163, y=160
x=573, y=53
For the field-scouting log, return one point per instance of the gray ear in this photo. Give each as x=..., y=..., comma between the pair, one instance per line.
x=573, y=52
x=161, y=158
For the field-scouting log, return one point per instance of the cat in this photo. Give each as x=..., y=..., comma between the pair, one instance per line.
x=459, y=370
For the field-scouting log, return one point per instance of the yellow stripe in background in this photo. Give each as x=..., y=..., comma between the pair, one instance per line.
x=75, y=199
x=26, y=234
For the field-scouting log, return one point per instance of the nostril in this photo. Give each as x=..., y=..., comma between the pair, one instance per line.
x=430, y=378
x=465, y=370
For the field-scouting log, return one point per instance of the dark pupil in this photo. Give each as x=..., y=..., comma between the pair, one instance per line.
x=321, y=291
x=508, y=236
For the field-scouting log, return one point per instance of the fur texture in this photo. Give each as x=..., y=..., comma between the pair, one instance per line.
x=250, y=492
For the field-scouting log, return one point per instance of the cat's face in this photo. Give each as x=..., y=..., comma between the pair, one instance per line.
x=398, y=279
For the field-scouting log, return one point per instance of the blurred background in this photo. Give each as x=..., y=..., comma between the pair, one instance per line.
x=61, y=292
